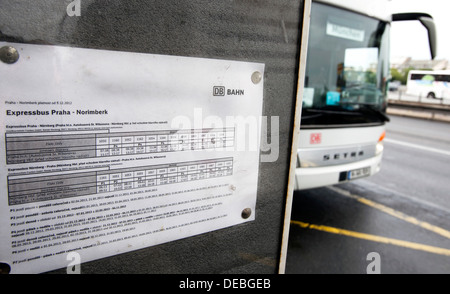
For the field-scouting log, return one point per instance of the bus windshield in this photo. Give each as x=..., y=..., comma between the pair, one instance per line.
x=347, y=68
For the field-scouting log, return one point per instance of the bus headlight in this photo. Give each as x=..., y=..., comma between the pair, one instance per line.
x=379, y=148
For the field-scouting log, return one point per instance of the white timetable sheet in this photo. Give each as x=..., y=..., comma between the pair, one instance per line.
x=106, y=152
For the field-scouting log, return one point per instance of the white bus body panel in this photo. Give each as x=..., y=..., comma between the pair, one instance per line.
x=331, y=145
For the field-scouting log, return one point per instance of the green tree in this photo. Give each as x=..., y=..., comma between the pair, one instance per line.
x=400, y=76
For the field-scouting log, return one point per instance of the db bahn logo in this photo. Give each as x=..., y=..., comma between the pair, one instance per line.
x=218, y=91
x=221, y=91
x=315, y=138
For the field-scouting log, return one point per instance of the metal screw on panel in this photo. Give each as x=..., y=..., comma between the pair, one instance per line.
x=4, y=268
x=256, y=77
x=9, y=54
x=246, y=213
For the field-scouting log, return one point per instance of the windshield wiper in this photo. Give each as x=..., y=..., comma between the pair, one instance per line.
x=332, y=111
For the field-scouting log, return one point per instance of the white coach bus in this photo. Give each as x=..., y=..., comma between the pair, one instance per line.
x=430, y=84
x=344, y=98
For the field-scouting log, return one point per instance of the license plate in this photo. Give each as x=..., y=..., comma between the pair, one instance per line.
x=359, y=173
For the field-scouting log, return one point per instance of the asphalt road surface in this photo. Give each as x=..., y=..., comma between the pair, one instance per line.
x=397, y=221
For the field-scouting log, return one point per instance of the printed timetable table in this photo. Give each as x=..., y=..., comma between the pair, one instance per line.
x=56, y=147
x=29, y=189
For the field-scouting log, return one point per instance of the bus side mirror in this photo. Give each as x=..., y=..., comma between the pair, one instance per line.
x=427, y=21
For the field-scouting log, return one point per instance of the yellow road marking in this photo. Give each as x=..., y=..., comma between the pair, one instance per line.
x=395, y=213
x=375, y=238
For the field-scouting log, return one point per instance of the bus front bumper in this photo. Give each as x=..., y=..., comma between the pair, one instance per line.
x=313, y=177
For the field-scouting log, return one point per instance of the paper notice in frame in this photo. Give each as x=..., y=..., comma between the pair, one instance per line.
x=107, y=152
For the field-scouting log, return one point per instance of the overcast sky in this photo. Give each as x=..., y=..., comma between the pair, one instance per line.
x=409, y=39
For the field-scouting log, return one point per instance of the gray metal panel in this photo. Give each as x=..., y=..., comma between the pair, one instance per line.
x=264, y=31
